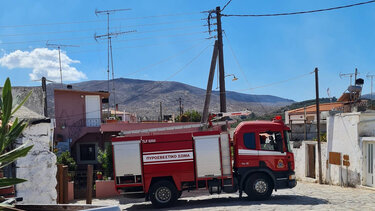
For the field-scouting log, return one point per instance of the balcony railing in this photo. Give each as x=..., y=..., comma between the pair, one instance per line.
x=93, y=122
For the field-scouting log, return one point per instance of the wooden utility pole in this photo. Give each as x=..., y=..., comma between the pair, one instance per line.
x=209, y=83
x=89, y=184
x=223, y=101
x=60, y=186
x=44, y=89
x=65, y=185
x=318, y=126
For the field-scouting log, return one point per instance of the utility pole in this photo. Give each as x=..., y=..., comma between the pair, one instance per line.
x=180, y=100
x=161, y=111
x=58, y=46
x=109, y=36
x=304, y=122
x=318, y=125
x=223, y=103
x=44, y=88
x=209, y=83
x=372, y=77
x=350, y=75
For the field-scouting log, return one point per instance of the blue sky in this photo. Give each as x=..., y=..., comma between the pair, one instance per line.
x=175, y=48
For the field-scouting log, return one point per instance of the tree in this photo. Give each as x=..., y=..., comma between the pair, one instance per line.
x=65, y=159
x=105, y=158
x=9, y=132
x=189, y=116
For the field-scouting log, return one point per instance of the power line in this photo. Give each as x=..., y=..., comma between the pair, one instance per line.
x=278, y=82
x=164, y=60
x=95, y=29
x=243, y=72
x=147, y=91
x=85, y=38
x=226, y=5
x=171, y=76
x=95, y=21
x=299, y=12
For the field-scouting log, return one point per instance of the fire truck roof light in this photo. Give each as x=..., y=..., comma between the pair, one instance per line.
x=278, y=117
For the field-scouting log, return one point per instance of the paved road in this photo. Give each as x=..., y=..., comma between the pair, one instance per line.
x=306, y=196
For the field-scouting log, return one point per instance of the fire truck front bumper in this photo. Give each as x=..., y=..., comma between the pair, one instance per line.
x=286, y=181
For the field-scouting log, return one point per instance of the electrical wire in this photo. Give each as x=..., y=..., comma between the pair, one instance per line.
x=160, y=83
x=278, y=82
x=299, y=12
x=95, y=21
x=164, y=60
x=147, y=91
x=94, y=43
x=97, y=29
x=243, y=72
x=226, y=5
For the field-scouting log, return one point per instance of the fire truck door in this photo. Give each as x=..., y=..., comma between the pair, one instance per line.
x=207, y=153
x=127, y=159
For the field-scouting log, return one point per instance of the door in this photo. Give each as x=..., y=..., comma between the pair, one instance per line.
x=370, y=165
x=207, y=151
x=311, y=160
x=92, y=111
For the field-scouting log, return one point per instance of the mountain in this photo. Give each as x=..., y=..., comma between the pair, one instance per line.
x=143, y=97
x=368, y=96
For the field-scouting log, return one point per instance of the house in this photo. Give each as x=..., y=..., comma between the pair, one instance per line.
x=78, y=116
x=115, y=114
x=347, y=156
x=302, y=121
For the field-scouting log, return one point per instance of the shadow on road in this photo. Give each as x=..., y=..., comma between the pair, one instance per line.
x=234, y=201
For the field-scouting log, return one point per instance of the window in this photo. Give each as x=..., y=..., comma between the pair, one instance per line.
x=249, y=140
x=287, y=140
x=271, y=141
x=87, y=152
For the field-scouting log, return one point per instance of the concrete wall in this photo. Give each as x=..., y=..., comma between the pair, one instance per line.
x=38, y=167
x=301, y=160
x=342, y=136
x=344, y=132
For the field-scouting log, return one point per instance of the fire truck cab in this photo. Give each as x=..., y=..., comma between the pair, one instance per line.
x=257, y=160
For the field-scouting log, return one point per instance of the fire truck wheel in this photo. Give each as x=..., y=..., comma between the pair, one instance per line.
x=163, y=194
x=258, y=187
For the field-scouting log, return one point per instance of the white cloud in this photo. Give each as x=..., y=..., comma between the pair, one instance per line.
x=43, y=62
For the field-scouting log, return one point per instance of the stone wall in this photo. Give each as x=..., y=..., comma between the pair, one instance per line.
x=35, y=102
x=38, y=167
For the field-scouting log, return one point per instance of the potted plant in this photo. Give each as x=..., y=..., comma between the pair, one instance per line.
x=99, y=175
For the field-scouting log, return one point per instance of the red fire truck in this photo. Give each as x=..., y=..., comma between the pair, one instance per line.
x=257, y=160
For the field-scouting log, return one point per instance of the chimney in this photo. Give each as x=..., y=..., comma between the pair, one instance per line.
x=116, y=107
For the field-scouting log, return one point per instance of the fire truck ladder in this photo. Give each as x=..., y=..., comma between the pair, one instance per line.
x=215, y=116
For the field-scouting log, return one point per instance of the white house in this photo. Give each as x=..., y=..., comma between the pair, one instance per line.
x=349, y=135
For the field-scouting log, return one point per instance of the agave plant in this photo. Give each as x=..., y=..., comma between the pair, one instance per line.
x=9, y=132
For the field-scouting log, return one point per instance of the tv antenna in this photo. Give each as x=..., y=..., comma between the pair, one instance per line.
x=58, y=46
x=109, y=36
x=342, y=75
